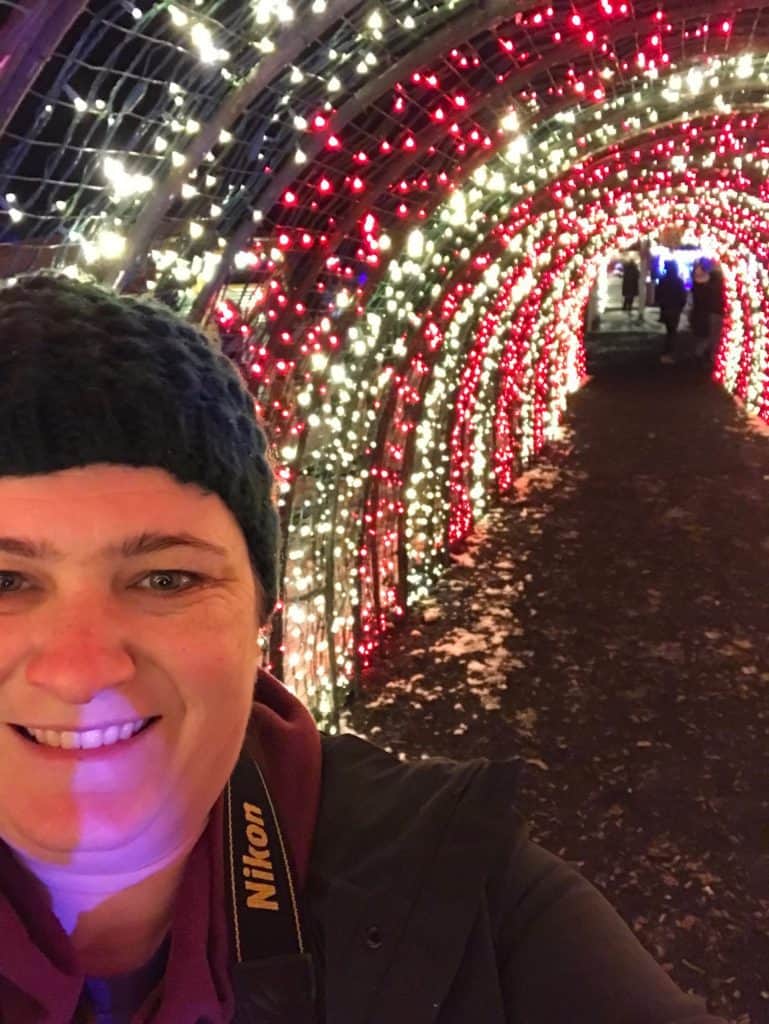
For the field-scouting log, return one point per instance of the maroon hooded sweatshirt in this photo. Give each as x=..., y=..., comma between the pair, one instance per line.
x=40, y=982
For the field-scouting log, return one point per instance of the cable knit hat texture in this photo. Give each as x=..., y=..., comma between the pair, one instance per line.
x=87, y=376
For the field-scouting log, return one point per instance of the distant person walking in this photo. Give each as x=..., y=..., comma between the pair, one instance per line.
x=671, y=299
x=630, y=278
x=699, y=317
x=716, y=305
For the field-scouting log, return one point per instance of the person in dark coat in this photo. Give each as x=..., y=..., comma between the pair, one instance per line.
x=699, y=317
x=716, y=307
x=671, y=299
x=630, y=278
x=178, y=842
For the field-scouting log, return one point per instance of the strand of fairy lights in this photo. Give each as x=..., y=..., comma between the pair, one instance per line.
x=327, y=403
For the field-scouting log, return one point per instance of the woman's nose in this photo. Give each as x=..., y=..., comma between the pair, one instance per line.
x=79, y=651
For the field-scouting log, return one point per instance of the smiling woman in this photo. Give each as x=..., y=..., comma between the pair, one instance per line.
x=120, y=744
x=178, y=842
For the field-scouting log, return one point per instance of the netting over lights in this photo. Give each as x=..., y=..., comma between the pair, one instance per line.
x=392, y=216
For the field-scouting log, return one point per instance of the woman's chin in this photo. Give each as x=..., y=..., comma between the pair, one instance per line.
x=86, y=830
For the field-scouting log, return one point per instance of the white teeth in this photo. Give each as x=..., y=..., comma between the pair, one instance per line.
x=91, y=739
x=111, y=735
x=88, y=739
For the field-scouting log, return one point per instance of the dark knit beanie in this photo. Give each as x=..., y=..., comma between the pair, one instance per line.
x=87, y=376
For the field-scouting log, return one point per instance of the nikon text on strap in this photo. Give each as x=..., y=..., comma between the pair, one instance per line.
x=263, y=902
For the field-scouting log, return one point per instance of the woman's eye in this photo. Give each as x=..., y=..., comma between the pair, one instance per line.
x=9, y=582
x=169, y=580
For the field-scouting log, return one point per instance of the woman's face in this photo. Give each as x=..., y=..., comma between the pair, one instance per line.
x=127, y=602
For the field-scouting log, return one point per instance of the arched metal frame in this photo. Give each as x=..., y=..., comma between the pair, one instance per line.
x=121, y=140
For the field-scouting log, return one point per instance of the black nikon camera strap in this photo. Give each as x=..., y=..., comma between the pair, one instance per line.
x=264, y=910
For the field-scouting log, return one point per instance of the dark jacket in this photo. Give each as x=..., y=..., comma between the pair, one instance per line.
x=631, y=275
x=424, y=903
x=671, y=294
x=427, y=903
x=716, y=296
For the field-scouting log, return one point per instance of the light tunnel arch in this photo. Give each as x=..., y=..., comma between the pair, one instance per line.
x=362, y=418
x=390, y=498
x=518, y=181
x=742, y=79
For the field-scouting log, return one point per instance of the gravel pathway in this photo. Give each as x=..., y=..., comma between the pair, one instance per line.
x=609, y=625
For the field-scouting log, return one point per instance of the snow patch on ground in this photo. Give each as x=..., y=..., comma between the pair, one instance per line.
x=755, y=425
x=543, y=476
x=460, y=641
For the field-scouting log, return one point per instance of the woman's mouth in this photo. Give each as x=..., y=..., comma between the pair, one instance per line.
x=85, y=739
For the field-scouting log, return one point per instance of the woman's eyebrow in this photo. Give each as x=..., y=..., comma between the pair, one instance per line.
x=141, y=544
x=147, y=543
x=26, y=548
